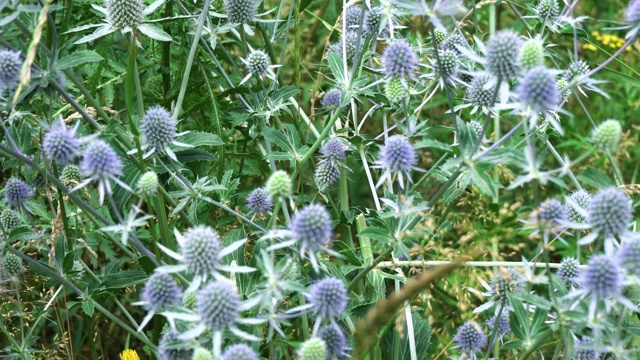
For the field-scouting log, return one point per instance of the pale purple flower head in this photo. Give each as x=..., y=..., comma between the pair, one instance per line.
x=218, y=305
x=60, y=144
x=353, y=44
x=158, y=128
x=328, y=298
x=398, y=154
x=399, y=59
x=470, y=339
x=172, y=348
x=477, y=94
x=632, y=13
x=502, y=54
x=311, y=227
x=201, y=250
x=629, y=256
x=602, y=277
x=609, y=212
x=326, y=174
x=239, y=352
x=373, y=18
x=335, y=340
x=582, y=198
x=538, y=89
x=100, y=162
x=551, y=214
x=352, y=16
x=506, y=280
x=160, y=291
x=503, y=323
x=17, y=192
x=10, y=65
x=333, y=149
x=331, y=98
x=259, y=200
x=581, y=353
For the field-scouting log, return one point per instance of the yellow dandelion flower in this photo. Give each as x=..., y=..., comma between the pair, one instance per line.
x=129, y=354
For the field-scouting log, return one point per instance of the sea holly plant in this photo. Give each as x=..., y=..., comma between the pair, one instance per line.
x=319, y=180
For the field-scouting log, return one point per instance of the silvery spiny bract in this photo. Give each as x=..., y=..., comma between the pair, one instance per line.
x=470, y=339
x=239, y=352
x=240, y=11
x=16, y=193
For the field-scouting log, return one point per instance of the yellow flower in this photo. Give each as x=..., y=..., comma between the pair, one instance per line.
x=129, y=354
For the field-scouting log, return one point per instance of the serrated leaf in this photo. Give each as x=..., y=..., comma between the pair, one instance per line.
x=336, y=67
x=88, y=306
x=78, y=58
x=284, y=93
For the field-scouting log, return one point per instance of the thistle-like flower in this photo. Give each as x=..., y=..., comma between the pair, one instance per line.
x=10, y=65
x=538, y=89
x=240, y=11
x=148, y=184
x=470, y=339
x=531, y=54
x=17, y=193
x=503, y=324
x=502, y=54
x=584, y=349
x=279, y=185
x=399, y=60
x=259, y=201
x=395, y=89
x=397, y=158
x=568, y=271
x=577, y=204
x=609, y=214
x=125, y=16
x=159, y=130
x=160, y=291
x=311, y=230
x=607, y=135
x=504, y=281
x=629, y=256
x=479, y=94
x=352, y=17
x=326, y=174
x=172, y=348
x=327, y=300
x=204, y=354
x=453, y=43
x=313, y=349
x=375, y=21
x=101, y=164
x=239, y=352
x=335, y=341
x=331, y=99
x=61, y=145
x=259, y=65
x=352, y=44
x=70, y=174
x=547, y=10
x=333, y=149
x=550, y=216
x=9, y=219
x=12, y=268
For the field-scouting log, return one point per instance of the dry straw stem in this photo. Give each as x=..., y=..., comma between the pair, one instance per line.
x=367, y=329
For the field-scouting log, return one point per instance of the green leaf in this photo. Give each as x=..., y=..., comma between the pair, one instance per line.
x=433, y=144
x=376, y=234
x=285, y=93
x=124, y=278
x=422, y=336
x=198, y=138
x=88, y=306
x=335, y=64
x=595, y=178
x=278, y=138
x=78, y=58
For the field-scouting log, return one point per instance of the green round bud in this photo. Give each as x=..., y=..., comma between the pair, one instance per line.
x=531, y=54
x=9, y=219
x=607, y=135
x=394, y=90
x=279, y=185
x=202, y=354
x=189, y=300
x=290, y=270
x=440, y=35
x=563, y=88
x=70, y=173
x=148, y=184
x=313, y=349
x=12, y=267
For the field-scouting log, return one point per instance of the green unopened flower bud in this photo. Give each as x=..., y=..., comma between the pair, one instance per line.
x=202, y=354
x=440, y=35
x=12, y=267
x=394, y=90
x=313, y=349
x=607, y=135
x=9, y=219
x=189, y=300
x=70, y=174
x=531, y=54
x=148, y=184
x=279, y=185
x=562, y=87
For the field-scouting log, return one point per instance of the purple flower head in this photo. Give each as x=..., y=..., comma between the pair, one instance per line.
x=373, y=18
x=327, y=174
x=583, y=350
x=328, y=298
x=331, y=98
x=201, y=250
x=399, y=59
x=171, y=348
x=609, y=212
x=259, y=200
x=632, y=13
x=239, y=352
x=538, y=89
x=503, y=324
x=334, y=149
x=60, y=144
x=160, y=291
x=502, y=54
x=311, y=227
x=629, y=256
x=16, y=193
x=335, y=341
x=477, y=94
x=158, y=128
x=240, y=11
x=506, y=280
x=218, y=305
x=10, y=65
x=398, y=154
x=453, y=42
x=602, y=277
x=100, y=162
x=470, y=339
x=352, y=16
x=353, y=44
x=568, y=271
x=582, y=198
x=551, y=213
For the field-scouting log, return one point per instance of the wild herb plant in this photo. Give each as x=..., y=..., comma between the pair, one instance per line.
x=247, y=179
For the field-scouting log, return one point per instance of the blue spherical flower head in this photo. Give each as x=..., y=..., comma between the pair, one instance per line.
x=100, y=164
x=629, y=256
x=397, y=156
x=218, y=305
x=333, y=149
x=60, y=144
x=239, y=352
x=158, y=128
x=353, y=45
x=502, y=324
x=335, y=340
x=200, y=250
x=504, y=281
x=632, y=13
x=311, y=227
x=399, y=59
x=609, y=212
x=583, y=350
x=538, y=89
x=470, y=339
x=240, y=11
x=10, y=65
x=16, y=193
x=172, y=348
x=352, y=17
x=502, y=54
x=580, y=198
x=160, y=291
x=328, y=298
x=550, y=215
x=259, y=201
x=602, y=277
x=373, y=19
x=331, y=98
